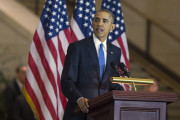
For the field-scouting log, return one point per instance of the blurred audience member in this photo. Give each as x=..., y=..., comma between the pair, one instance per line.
x=14, y=90
x=21, y=110
x=152, y=88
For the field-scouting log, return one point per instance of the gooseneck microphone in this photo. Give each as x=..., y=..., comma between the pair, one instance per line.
x=124, y=68
x=115, y=68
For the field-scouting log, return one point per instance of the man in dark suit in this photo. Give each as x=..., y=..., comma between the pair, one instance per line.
x=14, y=90
x=87, y=67
x=21, y=110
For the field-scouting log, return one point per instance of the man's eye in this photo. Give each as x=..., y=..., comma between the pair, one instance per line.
x=96, y=20
x=105, y=21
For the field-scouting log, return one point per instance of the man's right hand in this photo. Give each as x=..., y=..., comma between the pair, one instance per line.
x=83, y=104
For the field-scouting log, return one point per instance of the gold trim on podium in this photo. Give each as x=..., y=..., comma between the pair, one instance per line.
x=133, y=81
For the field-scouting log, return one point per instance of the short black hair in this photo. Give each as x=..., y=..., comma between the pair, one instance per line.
x=18, y=67
x=108, y=11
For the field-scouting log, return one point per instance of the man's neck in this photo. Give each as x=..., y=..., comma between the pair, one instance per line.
x=101, y=40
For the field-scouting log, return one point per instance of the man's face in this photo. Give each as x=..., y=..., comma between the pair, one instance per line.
x=21, y=75
x=102, y=25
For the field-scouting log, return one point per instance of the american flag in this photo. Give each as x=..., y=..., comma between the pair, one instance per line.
x=118, y=36
x=46, y=58
x=81, y=22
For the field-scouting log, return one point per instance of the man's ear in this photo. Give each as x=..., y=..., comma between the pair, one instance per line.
x=113, y=27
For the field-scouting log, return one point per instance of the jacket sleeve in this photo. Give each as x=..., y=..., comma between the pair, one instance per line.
x=70, y=74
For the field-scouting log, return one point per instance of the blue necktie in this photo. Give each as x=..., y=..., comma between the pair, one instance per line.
x=101, y=60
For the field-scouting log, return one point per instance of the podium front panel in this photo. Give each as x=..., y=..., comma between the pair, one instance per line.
x=105, y=112
x=135, y=110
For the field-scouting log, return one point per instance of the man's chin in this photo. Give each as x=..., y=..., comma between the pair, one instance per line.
x=99, y=35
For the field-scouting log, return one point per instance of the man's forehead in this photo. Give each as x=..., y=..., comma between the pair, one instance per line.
x=102, y=15
x=23, y=68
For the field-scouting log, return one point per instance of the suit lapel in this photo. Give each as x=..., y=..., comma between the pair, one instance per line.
x=109, y=59
x=17, y=88
x=93, y=53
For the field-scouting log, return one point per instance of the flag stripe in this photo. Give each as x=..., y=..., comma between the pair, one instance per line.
x=40, y=83
x=61, y=64
x=119, y=39
x=45, y=64
x=61, y=52
x=68, y=35
x=73, y=35
x=37, y=94
x=52, y=49
x=76, y=30
x=34, y=99
x=115, y=42
x=48, y=60
x=64, y=41
x=124, y=41
x=42, y=72
x=56, y=45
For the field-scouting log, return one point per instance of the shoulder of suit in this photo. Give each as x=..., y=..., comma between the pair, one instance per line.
x=113, y=46
x=12, y=86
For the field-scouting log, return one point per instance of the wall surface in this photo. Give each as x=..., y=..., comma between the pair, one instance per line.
x=163, y=13
x=17, y=27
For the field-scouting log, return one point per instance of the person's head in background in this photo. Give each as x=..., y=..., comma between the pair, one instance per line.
x=152, y=88
x=21, y=73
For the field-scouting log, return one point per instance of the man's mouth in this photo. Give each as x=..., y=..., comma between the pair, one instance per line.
x=99, y=30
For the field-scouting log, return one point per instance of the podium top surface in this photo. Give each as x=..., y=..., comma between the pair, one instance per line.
x=167, y=97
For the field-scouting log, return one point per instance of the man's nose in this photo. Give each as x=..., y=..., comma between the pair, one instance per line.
x=100, y=22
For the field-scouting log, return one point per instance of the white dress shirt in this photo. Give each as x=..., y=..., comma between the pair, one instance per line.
x=20, y=85
x=97, y=43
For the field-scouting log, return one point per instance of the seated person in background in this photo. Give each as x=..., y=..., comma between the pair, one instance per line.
x=152, y=88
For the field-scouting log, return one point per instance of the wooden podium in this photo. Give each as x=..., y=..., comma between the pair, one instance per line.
x=130, y=105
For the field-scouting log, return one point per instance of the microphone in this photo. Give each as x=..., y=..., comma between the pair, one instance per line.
x=115, y=68
x=124, y=68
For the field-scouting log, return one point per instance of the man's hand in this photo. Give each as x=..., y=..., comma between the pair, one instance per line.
x=83, y=104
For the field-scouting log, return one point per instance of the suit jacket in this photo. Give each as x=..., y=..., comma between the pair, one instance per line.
x=22, y=110
x=17, y=107
x=12, y=91
x=81, y=76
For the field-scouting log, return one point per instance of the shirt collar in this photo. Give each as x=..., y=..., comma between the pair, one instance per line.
x=97, y=42
x=20, y=85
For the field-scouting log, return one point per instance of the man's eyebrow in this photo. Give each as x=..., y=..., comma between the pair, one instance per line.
x=96, y=18
x=100, y=18
x=105, y=19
